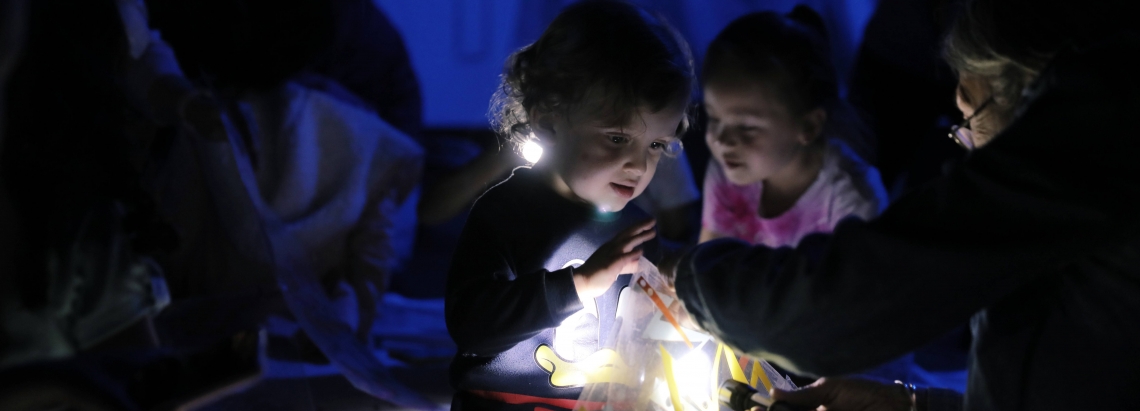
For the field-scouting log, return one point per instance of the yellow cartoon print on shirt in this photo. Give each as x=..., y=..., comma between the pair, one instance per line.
x=604, y=365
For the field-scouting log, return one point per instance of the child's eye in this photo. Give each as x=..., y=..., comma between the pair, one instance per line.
x=618, y=139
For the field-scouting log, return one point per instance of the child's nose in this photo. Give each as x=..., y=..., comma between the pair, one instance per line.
x=637, y=162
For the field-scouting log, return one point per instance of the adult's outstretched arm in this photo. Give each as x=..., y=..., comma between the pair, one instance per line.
x=1060, y=183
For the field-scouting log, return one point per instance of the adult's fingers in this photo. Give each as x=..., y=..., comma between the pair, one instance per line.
x=821, y=392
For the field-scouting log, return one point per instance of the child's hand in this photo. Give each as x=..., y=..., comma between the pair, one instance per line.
x=619, y=255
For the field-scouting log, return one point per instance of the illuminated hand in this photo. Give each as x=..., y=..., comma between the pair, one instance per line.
x=848, y=394
x=617, y=256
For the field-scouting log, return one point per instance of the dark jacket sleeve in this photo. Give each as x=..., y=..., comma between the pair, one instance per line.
x=490, y=306
x=1057, y=185
x=939, y=399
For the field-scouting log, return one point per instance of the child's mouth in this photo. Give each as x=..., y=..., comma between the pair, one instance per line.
x=622, y=190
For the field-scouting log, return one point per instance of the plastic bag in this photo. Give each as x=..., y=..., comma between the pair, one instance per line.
x=657, y=359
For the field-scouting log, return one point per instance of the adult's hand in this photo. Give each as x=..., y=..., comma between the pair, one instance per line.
x=848, y=394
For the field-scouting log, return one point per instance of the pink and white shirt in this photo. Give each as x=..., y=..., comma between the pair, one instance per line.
x=845, y=186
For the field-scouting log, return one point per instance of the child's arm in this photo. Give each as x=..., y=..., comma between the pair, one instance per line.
x=491, y=307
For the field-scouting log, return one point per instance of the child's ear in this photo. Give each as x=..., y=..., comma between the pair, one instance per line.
x=542, y=125
x=813, y=123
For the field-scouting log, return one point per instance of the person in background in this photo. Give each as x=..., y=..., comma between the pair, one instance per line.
x=775, y=130
x=343, y=180
x=77, y=290
x=544, y=255
x=367, y=56
x=782, y=170
x=86, y=230
x=1032, y=240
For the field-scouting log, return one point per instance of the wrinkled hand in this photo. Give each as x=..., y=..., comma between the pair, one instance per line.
x=619, y=255
x=848, y=394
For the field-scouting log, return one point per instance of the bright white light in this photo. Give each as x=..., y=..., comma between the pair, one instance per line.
x=693, y=376
x=531, y=151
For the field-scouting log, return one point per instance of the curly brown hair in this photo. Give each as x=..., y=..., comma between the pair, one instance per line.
x=629, y=55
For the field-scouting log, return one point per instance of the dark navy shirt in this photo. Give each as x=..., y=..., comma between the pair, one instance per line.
x=511, y=305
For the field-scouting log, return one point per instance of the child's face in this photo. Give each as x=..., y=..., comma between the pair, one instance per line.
x=750, y=132
x=608, y=165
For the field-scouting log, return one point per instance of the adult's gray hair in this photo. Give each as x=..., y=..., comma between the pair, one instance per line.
x=1009, y=42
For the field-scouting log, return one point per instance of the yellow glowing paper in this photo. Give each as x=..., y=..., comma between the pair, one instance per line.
x=758, y=372
x=670, y=379
x=734, y=365
x=716, y=367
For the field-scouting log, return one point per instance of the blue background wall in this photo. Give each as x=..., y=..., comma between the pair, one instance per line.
x=458, y=46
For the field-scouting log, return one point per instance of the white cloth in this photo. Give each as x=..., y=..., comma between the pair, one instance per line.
x=340, y=179
x=133, y=14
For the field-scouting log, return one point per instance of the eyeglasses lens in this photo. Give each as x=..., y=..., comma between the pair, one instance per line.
x=964, y=137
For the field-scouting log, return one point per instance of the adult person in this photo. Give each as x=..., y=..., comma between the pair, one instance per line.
x=1032, y=239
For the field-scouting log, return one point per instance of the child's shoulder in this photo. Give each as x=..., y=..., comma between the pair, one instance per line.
x=520, y=196
x=858, y=183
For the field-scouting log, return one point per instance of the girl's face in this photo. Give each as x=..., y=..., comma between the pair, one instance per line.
x=607, y=165
x=750, y=132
